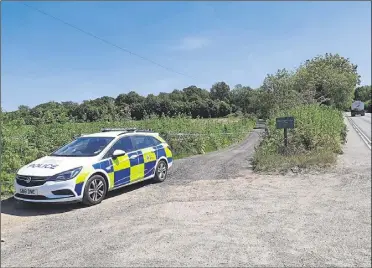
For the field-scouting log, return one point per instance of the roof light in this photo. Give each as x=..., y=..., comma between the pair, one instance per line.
x=126, y=130
x=117, y=129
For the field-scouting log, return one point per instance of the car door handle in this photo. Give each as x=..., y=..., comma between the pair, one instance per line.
x=133, y=156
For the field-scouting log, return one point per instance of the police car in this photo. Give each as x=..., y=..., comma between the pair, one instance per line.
x=91, y=165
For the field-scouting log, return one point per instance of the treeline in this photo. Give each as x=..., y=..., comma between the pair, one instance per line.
x=329, y=80
x=364, y=94
x=192, y=101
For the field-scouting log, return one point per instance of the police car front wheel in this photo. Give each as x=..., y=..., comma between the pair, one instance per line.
x=95, y=190
x=161, y=171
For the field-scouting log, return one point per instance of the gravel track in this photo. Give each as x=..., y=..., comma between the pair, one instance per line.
x=224, y=164
x=212, y=211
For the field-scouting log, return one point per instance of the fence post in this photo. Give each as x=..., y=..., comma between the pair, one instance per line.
x=285, y=137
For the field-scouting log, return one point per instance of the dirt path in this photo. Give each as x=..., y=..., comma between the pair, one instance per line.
x=213, y=211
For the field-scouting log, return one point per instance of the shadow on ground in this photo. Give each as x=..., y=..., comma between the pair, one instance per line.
x=11, y=206
x=353, y=116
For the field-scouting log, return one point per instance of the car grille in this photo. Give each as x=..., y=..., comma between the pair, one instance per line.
x=31, y=197
x=35, y=181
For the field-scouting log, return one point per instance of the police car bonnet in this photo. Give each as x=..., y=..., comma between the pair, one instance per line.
x=49, y=166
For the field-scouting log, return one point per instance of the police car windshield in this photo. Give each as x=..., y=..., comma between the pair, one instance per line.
x=83, y=147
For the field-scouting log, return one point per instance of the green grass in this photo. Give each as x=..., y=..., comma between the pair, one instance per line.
x=316, y=140
x=268, y=162
x=22, y=144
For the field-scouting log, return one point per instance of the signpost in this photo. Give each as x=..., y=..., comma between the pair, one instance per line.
x=285, y=123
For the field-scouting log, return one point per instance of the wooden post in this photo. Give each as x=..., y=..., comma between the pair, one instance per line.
x=285, y=123
x=285, y=137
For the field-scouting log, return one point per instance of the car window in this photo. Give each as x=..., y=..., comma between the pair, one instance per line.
x=141, y=142
x=154, y=141
x=124, y=144
x=84, y=146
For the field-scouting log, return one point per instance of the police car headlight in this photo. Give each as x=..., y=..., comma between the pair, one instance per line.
x=66, y=175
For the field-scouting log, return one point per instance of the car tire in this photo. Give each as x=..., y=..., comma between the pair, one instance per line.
x=95, y=190
x=161, y=171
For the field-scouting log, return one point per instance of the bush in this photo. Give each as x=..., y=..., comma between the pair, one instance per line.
x=368, y=106
x=318, y=135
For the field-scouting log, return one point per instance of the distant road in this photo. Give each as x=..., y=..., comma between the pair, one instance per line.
x=362, y=124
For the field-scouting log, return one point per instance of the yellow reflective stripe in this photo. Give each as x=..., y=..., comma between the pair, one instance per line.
x=168, y=152
x=83, y=175
x=121, y=162
x=137, y=172
x=149, y=155
x=111, y=179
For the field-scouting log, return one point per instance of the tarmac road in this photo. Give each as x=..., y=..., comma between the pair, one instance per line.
x=363, y=123
x=211, y=211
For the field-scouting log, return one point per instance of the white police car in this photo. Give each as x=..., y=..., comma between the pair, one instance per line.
x=91, y=165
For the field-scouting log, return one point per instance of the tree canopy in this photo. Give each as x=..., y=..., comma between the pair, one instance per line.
x=328, y=79
x=363, y=93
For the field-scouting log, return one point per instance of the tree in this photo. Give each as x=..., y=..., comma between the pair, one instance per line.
x=199, y=109
x=213, y=108
x=363, y=93
x=152, y=105
x=24, y=112
x=220, y=91
x=193, y=93
x=368, y=106
x=224, y=109
x=70, y=110
x=136, y=111
x=280, y=91
x=130, y=98
x=240, y=97
x=177, y=95
x=262, y=103
x=328, y=79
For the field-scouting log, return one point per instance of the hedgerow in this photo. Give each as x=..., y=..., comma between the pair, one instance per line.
x=316, y=139
x=21, y=144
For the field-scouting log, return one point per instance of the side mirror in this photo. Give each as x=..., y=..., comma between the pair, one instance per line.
x=118, y=153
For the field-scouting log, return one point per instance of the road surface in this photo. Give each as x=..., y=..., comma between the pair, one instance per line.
x=212, y=211
x=362, y=124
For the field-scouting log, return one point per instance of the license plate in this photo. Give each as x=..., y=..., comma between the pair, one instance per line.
x=28, y=191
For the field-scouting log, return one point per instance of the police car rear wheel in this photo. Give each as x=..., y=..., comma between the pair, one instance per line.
x=161, y=171
x=95, y=190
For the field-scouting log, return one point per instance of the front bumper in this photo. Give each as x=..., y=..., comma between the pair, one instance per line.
x=49, y=192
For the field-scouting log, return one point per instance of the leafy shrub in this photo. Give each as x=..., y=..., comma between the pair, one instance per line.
x=318, y=130
x=368, y=106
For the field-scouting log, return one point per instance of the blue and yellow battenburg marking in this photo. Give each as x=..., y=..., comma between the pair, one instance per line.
x=127, y=168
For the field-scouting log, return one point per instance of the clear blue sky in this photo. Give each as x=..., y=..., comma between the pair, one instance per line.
x=236, y=42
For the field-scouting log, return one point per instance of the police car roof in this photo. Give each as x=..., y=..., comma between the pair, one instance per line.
x=117, y=133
